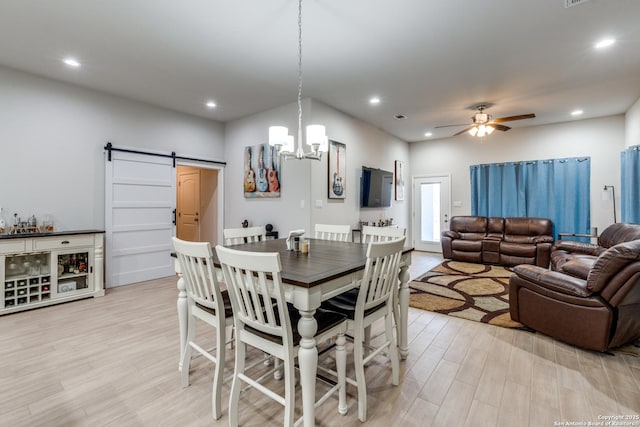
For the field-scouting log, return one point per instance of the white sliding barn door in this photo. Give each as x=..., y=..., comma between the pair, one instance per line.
x=139, y=201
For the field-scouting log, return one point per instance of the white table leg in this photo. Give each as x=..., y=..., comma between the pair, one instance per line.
x=183, y=313
x=403, y=296
x=308, y=360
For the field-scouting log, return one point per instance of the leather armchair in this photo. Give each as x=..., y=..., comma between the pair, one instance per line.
x=597, y=313
x=577, y=258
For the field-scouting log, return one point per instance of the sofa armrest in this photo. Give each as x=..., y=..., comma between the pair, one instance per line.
x=543, y=239
x=451, y=234
x=577, y=247
x=553, y=280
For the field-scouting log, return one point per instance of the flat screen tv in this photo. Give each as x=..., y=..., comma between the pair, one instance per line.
x=376, y=188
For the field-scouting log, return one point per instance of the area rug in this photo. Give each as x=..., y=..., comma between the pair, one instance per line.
x=470, y=291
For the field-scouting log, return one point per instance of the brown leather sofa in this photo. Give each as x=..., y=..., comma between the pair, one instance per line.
x=494, y=240
x=597, y=310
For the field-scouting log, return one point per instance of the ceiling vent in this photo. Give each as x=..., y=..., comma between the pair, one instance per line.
x=569, y=3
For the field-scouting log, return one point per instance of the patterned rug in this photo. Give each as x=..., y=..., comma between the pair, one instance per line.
x=470, y=291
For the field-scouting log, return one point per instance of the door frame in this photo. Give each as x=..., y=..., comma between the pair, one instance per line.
x=220, y=201
x=416, y=197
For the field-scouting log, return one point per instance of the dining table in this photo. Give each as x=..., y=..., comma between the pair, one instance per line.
x=326, y=270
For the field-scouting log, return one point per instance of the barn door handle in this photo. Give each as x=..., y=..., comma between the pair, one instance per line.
x=174, y=217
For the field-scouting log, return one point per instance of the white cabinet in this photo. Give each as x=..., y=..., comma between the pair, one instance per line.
x=48, y=269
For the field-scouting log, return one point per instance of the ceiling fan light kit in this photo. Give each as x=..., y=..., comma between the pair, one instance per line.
x=483, y=124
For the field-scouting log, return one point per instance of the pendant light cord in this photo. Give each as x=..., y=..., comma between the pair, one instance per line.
x=300, y=75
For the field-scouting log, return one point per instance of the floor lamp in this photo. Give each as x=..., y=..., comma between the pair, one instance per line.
x=610, y=196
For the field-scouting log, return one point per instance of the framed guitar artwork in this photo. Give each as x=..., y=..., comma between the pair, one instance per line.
x=261, y=172
x=337, y=170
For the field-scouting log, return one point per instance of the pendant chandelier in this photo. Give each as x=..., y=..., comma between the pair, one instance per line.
x=316, y=137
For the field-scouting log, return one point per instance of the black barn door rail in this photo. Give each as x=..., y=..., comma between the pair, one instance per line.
x=109, y=147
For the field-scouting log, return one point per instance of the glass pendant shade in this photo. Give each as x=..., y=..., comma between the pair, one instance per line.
x=489, y=130
x=316, y=137
x=278, y=135
x=473, y=131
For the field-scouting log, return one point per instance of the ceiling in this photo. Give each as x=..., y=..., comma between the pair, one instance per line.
x=431, y=61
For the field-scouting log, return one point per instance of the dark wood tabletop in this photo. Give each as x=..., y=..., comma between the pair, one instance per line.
x=326, y=260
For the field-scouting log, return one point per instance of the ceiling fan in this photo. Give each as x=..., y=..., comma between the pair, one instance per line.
x=483, y=124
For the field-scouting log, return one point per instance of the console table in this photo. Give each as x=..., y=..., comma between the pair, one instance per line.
x=39, y=269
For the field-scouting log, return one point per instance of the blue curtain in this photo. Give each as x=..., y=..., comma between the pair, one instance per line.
x=557, y=189
x=630, y=179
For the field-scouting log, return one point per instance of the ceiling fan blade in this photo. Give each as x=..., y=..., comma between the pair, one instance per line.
x=511, y=118
x=496, y=126
x=448, y=126
x=463, y=131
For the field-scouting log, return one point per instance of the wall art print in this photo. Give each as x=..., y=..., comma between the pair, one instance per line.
x=337, y=170
x=261, y=171
x=399, y=173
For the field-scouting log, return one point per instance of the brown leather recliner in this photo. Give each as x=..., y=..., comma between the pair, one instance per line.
x=526, y=241
x=463, y=242
x=577, y=258
x=597, y=313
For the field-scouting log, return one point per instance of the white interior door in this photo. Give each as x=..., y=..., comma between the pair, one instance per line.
x=139, y=201
x=431, y=211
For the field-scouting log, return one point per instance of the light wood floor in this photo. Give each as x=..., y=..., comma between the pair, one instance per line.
x=113, y=361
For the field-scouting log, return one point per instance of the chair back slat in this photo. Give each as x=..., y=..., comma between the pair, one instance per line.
x=381, y=234
x=255, y=289
x=196, y=265
x=236, y=236
x=380, y=276
x=332, y=232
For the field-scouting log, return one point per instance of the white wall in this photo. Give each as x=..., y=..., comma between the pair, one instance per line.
x=306, y=181
x=366, y=146
x=52, y=138
x=601, y=139
x=632, y=125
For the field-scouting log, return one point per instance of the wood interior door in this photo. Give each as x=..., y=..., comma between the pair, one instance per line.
x=188, y=209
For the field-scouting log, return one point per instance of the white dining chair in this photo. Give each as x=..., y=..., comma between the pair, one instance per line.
x=381, y=234
x=332, y=232
x=370, y=301
x=265, y=321
x=208, y=303
x=235, y=236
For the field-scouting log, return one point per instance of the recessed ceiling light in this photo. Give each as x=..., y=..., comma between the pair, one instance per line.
x=428, y=134
x=604, y=43
x=375, y=100
x=210, y=104
x=577, y=112
x=71, y=62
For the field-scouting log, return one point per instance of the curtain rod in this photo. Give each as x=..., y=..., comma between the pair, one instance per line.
x=109, y=147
